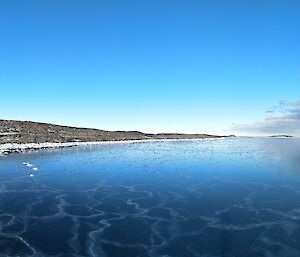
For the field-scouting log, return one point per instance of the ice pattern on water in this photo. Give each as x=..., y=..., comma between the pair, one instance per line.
x=233, y=197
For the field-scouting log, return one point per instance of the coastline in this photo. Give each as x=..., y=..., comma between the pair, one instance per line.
x=9, y=148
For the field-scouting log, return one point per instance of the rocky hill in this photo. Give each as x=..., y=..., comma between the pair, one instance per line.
x=12, y=131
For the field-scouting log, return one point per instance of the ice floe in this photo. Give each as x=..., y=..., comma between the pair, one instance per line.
x=27, y=164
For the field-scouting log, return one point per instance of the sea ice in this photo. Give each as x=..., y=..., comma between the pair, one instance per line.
x=27, y=164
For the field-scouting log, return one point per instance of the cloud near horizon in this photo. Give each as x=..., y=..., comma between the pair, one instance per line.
x=283, y=118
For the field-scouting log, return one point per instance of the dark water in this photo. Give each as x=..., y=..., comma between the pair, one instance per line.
x=232, y=197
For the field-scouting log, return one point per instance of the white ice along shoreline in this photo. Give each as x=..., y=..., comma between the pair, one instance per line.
x=18, y=148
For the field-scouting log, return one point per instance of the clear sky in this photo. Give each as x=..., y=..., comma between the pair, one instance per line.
x=209, y=66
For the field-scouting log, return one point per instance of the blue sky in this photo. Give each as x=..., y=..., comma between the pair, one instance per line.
x=155, y=66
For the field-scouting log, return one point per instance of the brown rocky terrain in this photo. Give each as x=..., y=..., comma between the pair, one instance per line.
x=23, y=132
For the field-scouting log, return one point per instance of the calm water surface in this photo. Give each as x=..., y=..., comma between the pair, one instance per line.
x=231, y=198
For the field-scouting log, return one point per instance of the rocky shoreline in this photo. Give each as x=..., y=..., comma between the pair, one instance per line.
x=20, y=136
x=6, y=149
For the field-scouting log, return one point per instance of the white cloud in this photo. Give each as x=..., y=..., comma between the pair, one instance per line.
x=283, y=118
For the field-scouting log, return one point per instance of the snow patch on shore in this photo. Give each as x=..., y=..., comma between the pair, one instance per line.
x=17, y=148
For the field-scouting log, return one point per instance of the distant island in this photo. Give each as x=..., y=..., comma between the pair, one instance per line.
x=16, y=136
x=281, y=136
